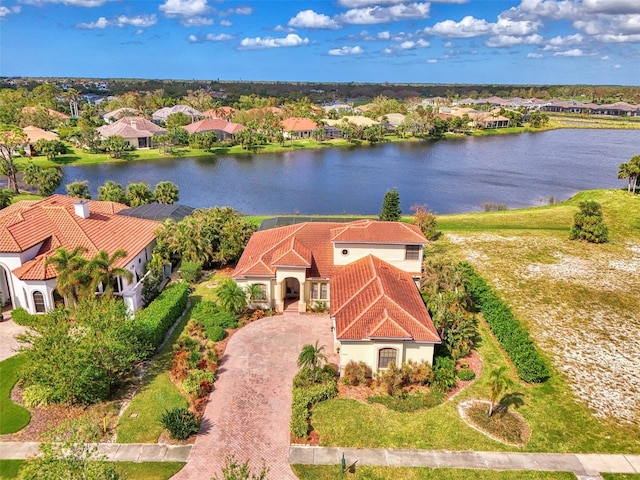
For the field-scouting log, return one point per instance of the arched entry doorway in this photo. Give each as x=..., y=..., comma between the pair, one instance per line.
x=291, y=291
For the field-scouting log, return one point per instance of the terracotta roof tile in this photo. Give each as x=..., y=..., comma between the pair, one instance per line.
x=371, y=298
x=212, y=125
x=52, y=222
x=292, y=253
x=372, y=231
x=299, y=124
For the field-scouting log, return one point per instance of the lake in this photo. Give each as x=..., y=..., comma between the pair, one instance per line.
x=452, y=175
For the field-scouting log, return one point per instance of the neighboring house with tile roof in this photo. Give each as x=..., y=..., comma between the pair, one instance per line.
x=223, y=129
x=114, y=115
x=162, y=114
x=298, y=127
x=33, y=135
x=31, y=231
x=136, y=131
x=366, y=272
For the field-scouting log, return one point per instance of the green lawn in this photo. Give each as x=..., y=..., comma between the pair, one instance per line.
x=131, y=471
x=621, y=476
x=333, y=472
x=13, y=417
x=156, y=395
x=503, y=245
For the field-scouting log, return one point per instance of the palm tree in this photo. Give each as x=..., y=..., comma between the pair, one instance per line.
x=254, y=291
x=311, y=357
x=166, y=192
x=231, y=297
x=71, y=271
x=499, y=383
x=102, y=271
x=625, y=171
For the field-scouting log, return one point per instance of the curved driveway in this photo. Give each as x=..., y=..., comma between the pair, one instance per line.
x=249, y=410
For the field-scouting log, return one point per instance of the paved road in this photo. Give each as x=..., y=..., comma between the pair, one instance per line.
x=249, y=410
x=580, y=464
x=8, y=332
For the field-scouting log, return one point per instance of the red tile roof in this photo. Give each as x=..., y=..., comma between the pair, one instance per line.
x=372, y=231
x=52, y=222
x=372, y=299
x=34, y=134
x=299, y=124
x=213, y=124
x=131, y=127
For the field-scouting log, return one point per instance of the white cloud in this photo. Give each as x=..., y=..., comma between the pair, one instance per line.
x=280, y=28
x=196, y=21
x=70, y=3
x=507, y=26
x=617, y=65
x=291, y=40
x=618, y=38
x=311, y=19
x=448, y=45
x=218, y=37
x=4, y=11
x=535, y=55
x=468, y=27
x=140, y=21
x=192, y=38
x=576, y=52
x=576, y=39
x=612, y=6
x=510, y=40
x=384, y=35
x=98, y=24
x=432, y=60
x=377, y=14
x=556, y=9
x=139, y=32
x=225, y=23
x=246, y=10
x=344, y=51
x=184, y=8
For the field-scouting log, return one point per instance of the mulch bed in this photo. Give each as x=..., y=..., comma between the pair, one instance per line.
x=504, y=426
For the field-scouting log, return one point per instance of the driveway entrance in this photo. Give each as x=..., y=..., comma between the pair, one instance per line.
x=250, y=408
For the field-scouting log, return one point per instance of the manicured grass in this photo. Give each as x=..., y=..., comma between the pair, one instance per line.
x=156, y=395
x=332, y=472
x=25, y=196
x=131, y=471
x=13, y=417
x=621, y=476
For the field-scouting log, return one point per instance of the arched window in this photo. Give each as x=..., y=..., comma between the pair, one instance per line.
x=386, y=356
x=38, y=302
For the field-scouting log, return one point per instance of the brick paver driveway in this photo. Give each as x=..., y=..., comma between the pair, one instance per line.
x=249, y=410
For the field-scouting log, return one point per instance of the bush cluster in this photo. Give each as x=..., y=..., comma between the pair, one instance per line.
x=153, y=322
x=529, y=364
x=180, y=423
x=444, y=374
x=22, y=317
x=190, y=271
x=355, y=373
x=304, y=399
x=394, y=379
x=307, y=377
x=197, y=382
x=214, y=319
x=465, y=374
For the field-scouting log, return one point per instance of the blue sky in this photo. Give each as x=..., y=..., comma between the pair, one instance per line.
x=404, y=41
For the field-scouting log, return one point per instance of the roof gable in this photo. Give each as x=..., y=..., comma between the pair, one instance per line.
x=372, y=231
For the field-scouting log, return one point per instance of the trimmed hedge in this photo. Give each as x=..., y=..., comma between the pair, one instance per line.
x=529, y=364
x=153, y=322
x=303, y=400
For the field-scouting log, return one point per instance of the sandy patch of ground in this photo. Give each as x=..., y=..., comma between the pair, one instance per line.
x=581, y=304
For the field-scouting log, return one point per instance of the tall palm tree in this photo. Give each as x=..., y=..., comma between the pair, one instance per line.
x=71, y=268
x=312, y=356
x=102, y=271
x=499, y=383
x=231, y=297
x=625, y=172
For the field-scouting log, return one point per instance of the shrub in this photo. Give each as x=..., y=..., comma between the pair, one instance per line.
x=195, y=378
x=208, y=313
x=24, y=318
x=215, y=333
x=444, y=374
x=186, y=343
x=180, y=423
x=419, y=373
x=303, y=400
x=529, y=364
x=588, y=224
x=152, y=323
x=465, y=374
x=193, y=358
x=36, y=394
x=190, y=271
x=179, y=366
x=393, y=379
x=307, y=377
x=355, y=373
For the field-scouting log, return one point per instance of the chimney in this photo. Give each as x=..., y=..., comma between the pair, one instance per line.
x=82, y=208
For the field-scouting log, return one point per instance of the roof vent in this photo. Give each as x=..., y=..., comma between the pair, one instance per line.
x=82, y=208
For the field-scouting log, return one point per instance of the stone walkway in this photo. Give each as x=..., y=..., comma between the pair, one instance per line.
x=9, y=330
x=583, y=465
x=249, y=410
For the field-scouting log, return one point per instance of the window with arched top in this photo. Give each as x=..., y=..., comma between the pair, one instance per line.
x=386, y=356
x=38, y=302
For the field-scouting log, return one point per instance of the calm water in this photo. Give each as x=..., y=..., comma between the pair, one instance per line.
x=449, y=176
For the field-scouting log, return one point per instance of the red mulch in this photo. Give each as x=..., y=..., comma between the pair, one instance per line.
x=475, y=363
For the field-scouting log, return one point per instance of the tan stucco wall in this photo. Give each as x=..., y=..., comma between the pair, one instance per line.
x=367, y=352
x=393, y=254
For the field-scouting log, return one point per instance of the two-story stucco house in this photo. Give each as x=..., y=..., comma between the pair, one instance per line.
x=365, y=272
x=31, y=231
